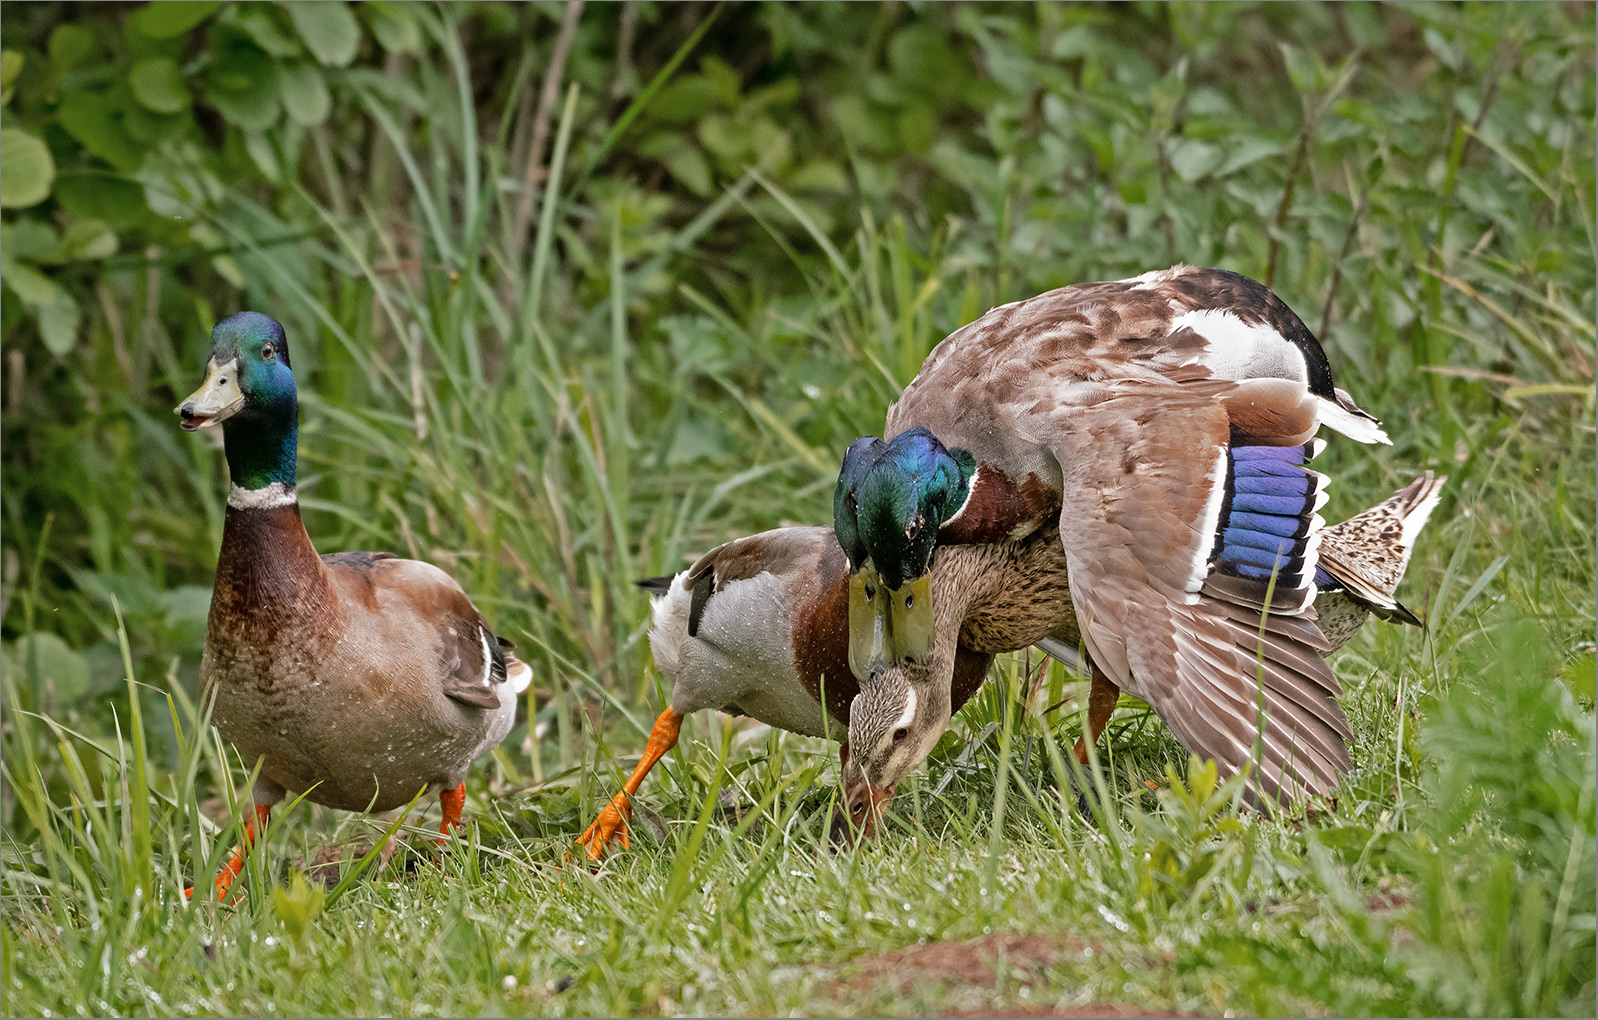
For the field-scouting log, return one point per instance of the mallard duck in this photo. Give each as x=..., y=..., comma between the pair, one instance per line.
x=759, y=627
x=1131, y=456
x=756, y=627
x=355, y=678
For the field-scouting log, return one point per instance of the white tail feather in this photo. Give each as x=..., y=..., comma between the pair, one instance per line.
x=1360, y=429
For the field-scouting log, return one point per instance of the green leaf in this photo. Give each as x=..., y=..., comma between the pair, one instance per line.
x=158, y=85
x=1301, y=69
x=265, y=24
x=58, y=323
x=89, y=117
x=243, y=86
x=1194, y=159
x=148, y=130
x=329, y=30
x=393, y=26
x=61, y=672
x=89, y=239
x=177, y=183
x=56, y=310
x=30, y=240
x=1247, y=150
x=297, y=906
x=69, y=45
x=10, y=67
x=34, y=288
x=117, y=201
x=1581, y=676
x=689, y=166
x=26, y=169
x=305, y=94
x=259, y=146
x=167, y=18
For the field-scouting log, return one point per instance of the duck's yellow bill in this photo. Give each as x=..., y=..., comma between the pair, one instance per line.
x=888, y=626
x=218, y=398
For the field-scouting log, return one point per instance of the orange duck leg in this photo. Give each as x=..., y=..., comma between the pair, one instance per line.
x=235, y=862
x=610, y=826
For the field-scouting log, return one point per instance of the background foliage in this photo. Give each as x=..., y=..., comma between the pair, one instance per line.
x=577, y=292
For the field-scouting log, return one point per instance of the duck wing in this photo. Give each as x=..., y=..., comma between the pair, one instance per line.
x=418, y=598
x=1175, y=412
x=1170, y=576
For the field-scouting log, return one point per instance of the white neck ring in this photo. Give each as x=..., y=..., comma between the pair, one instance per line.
x=270, y=498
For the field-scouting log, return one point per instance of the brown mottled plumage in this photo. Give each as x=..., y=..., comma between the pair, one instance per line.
x=760, y=627
x=1365, y=557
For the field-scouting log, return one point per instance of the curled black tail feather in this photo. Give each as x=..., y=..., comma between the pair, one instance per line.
x=655, y=585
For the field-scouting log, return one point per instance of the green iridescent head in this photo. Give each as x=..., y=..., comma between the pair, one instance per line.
x=891, y=499
x=250, y=386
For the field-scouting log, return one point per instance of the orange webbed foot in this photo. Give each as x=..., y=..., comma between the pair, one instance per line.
x=609, y=827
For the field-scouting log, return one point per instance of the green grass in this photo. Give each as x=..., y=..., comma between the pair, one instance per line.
x=660, y=370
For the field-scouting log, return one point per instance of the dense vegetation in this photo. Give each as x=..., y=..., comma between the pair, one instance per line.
x=575, y=292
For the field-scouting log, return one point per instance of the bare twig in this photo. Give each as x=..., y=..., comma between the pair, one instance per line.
x=16, y=379
x=119, y=333
x=1313, y=111
x=152, y=314
x=624, y=48
x=1299, y=157
x=532, y=171
x=1360, y=209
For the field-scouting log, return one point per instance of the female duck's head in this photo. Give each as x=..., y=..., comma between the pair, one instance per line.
x=892, y=498
x=248, y=383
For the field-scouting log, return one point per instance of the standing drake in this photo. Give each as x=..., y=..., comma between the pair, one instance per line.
x=355, y=678
x=1135, y=451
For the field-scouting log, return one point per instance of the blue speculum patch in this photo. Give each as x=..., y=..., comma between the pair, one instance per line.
x=1265, y=519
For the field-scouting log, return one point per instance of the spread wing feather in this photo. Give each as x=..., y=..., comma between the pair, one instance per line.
x=1178, y=411
x=1134, y=530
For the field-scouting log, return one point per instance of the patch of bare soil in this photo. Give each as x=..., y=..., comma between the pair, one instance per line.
x=324, y=867
x=962, y=963
x=979, y=964
x=1105, y=1009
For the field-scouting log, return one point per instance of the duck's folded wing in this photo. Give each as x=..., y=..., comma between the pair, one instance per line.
x=1179, y=528
x=476, y=664
x=419, y=599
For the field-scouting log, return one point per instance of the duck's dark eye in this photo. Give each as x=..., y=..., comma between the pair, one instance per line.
x=268, y=352
x=900, y=733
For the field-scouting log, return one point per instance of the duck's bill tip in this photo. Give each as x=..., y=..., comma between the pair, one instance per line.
x=863, y=806
x=888, y=627
x=218, y=398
